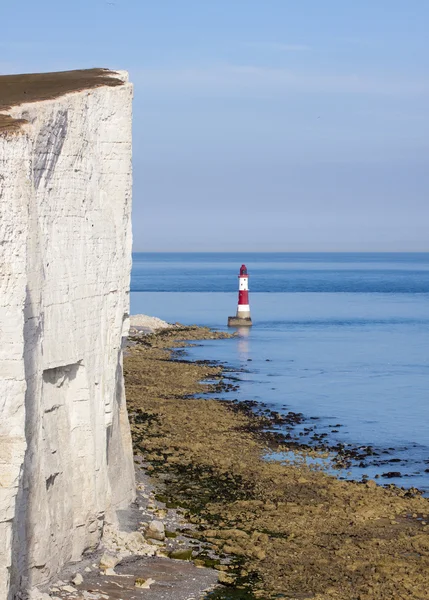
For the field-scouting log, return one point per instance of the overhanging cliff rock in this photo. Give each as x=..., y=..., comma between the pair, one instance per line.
x=65, y=256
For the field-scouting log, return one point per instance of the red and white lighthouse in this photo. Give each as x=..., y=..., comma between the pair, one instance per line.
x=243, y=309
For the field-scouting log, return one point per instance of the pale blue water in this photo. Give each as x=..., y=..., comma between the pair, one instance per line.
x=346, y=336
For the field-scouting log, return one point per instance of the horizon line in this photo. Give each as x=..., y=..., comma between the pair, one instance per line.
x=281, y=251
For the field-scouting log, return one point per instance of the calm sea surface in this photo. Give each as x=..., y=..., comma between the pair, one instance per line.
x=341, y=337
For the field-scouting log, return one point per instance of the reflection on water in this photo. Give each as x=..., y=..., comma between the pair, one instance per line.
x=243, y=344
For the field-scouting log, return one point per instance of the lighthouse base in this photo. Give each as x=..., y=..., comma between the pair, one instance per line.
x=239, y=322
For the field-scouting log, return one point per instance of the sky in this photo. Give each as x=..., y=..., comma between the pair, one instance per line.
x=259, y=125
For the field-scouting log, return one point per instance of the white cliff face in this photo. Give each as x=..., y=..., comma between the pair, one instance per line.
x=65, y=257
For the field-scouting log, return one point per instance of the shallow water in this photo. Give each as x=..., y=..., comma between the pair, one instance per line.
x=341, y=337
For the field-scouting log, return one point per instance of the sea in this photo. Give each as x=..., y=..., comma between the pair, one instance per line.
x=342, y=338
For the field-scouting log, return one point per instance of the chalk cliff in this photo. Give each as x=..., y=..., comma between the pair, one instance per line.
x=65, y=255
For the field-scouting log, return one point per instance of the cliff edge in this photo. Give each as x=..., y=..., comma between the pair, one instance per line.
x=65, y=257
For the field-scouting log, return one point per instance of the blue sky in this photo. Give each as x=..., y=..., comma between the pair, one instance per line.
x=258, y=124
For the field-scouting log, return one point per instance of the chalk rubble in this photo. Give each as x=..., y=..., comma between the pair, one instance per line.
x=147, y=323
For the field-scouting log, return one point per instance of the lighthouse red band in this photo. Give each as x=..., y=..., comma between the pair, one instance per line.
x=243, y=308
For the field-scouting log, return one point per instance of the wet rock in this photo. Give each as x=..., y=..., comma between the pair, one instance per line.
x=181, y=554
x=170, y=534
x=225, y=579
x=199, y=563
x=391, y=474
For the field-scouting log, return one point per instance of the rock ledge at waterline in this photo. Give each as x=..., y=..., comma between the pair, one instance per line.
x=65, y=255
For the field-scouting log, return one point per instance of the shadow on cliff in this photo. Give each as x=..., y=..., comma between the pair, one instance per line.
x=21, y=532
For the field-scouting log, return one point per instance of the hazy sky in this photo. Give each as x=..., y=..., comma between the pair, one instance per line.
x=258, y=124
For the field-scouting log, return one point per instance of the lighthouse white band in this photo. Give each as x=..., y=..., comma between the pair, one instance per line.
x=243, y=283
x=243, y=308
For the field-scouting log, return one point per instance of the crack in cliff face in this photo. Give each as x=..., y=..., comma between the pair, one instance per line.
x=48, y=146
x=50, y=480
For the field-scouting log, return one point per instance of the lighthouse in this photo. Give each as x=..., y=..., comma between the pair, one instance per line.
x=243, y=309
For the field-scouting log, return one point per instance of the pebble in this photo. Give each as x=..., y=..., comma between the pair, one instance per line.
x=144, y=583
x=108, y=561
x=69, y=588
x=78, y=579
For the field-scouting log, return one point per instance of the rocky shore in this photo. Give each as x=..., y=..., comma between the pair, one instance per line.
x=279, y=531
x=214, y=520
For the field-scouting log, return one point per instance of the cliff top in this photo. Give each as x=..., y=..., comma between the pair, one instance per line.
x=34, y=87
